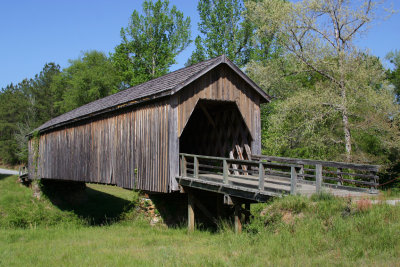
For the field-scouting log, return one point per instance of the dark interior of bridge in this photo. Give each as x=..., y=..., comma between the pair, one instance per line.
x=215, y=128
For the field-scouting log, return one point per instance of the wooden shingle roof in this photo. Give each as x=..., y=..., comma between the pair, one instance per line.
x=165, y=85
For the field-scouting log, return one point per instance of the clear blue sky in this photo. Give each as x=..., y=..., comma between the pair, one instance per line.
x=35, y=32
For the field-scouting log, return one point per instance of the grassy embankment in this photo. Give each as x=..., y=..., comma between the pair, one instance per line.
x=104, y=229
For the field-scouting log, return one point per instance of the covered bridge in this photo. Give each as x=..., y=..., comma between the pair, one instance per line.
x=133, y=138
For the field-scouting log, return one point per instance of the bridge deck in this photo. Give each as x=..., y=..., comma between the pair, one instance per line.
x=250, y=180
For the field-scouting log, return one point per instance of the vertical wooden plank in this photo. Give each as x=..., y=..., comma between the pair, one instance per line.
x=173, y=143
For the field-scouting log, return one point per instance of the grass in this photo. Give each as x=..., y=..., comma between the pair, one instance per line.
x=288, y=231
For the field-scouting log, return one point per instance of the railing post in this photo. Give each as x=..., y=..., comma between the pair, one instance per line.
x=261, y=176
x=225, y=171
x=301, y=172
x=195, y=167
x=183, y=166
x=339, y=176
x=373, y=180
x=293, y=180
x=318, y=177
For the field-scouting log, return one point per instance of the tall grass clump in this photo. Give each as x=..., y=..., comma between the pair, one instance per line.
x=19, y=209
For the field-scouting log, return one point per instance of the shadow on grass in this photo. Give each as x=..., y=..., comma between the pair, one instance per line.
x=96, y=207
x=3, y=176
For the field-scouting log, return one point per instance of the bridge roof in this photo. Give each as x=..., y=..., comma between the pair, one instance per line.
x=165, y=85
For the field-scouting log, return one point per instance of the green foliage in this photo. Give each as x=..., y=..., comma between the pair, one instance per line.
x=151, y=42
x=394, y=74
x=333, y=101
x=88, y=78
x=226, y=29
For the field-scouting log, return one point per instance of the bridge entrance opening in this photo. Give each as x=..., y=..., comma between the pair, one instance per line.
x=216, y=128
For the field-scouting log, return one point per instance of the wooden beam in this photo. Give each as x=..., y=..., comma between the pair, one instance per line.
x=238, y=223
x=190, y=212
x=247, y=212
x=203, y=209
x=210, y=119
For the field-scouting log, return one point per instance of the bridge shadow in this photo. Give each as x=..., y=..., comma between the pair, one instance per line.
x=96, y=207
x=3, y=176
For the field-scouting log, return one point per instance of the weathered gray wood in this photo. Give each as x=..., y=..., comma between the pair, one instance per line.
x=335, y=164
x=225, y=172
x=293, y=181
x=301, y=172
x=173, y=143
x=246, y=180
x=234, y=165
x=183, y=165
x=261, y=176
x=196, y=167
x=318, y=177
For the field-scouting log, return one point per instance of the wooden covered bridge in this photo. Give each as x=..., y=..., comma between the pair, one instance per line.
x=195, y=129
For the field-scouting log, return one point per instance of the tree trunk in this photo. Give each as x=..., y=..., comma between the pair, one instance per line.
x=347, y=135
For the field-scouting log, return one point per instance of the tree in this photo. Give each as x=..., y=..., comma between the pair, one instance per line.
x=14, y=102
x=88, y=78
x=320, y=36
x=151, y=42
x=394, y=75
x=23, y=107
x=43, y=96
x=223, y=30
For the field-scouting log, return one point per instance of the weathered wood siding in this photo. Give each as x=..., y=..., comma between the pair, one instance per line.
x=223, y=84
x=139, y=148
x=127, y=149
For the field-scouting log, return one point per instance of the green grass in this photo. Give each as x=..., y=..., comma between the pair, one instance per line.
x=290, y=231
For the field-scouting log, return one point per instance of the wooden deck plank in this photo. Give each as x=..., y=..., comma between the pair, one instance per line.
x=273, y=185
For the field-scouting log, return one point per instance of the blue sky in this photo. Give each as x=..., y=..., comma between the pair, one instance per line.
x=35, y=32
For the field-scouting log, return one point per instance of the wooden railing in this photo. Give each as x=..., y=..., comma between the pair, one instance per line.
x=274, y=170
x=341, y=173
x=23, y=171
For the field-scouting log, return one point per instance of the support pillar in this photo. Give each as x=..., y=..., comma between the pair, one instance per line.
x=238, y=223
x=247, y=214
x=190, y=212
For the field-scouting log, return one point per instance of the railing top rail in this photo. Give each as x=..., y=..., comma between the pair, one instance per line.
x=242, y=161
x=345, y=165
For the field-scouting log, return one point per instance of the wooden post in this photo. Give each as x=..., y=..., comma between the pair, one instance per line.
x=195, y=167
x=183, y=166
x=318, y=178
x=373, y=180
x=225, y=171
x=238, y=223
x=261, y=176
x=247, y=215
x=190, y=212
x=301, y=172
x=339, y=176
x=293, y=180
